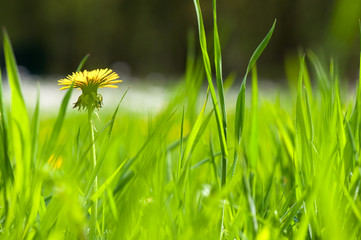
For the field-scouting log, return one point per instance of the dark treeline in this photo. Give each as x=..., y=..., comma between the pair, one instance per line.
x=51, y=37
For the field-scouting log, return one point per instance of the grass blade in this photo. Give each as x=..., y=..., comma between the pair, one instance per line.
x=253, y=138
x=82, y=62
x=218, y=68
x=207, y=66
x=6, y=169
x=19, y=116
x=193, y=134
x=35, y=128
x=106, y=183
x=115, y=114
x=240, y=109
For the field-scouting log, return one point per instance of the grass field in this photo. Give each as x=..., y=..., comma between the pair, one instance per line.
x=285, y=167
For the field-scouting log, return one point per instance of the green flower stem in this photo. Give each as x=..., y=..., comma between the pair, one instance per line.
x=94, y=209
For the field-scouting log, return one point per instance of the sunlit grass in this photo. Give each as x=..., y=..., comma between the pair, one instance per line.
x=285, y=167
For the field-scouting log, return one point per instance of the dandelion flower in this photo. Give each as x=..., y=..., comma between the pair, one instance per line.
x=55, y=162
x=89, y=82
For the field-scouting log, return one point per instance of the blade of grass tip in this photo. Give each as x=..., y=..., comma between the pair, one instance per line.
x=322, y=78
x=299, y=105
x=218, y=68
x=241, y=98
x=207, y=66
x=304, y=109
x=35, y=128
x=259, y=50
x=82, y=62
x=192, y=136
x=115, y=114
x=307, y=82
x=240, y=109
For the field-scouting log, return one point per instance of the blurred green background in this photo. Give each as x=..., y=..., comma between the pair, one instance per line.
x=51, y=37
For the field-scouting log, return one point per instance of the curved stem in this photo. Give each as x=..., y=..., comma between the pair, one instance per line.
x=94, y=208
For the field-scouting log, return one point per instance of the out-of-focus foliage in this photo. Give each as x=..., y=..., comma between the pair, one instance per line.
x=150, y=35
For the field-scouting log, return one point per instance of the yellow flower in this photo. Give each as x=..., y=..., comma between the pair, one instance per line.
x=55, y=162
x=89, y=82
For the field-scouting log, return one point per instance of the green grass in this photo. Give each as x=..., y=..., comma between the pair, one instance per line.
x=280, y=168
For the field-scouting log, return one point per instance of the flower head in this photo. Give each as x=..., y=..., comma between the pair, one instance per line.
x=89, y=82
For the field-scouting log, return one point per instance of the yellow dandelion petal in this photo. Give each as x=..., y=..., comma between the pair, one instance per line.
x=93, y=79
x=55, y=162
x=66, y=87
x=109, y=86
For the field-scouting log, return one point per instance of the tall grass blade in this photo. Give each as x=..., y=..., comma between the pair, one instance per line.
x=19, y=117
x=207, y=65
x=6, y=168
x=193, y=134
x=253, y=138
x=218, y=67
x=115, y=114
x=219, y=78
x=7, y=174
x=240, y=109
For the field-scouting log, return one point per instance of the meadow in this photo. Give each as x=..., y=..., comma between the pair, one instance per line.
x=285, y=167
